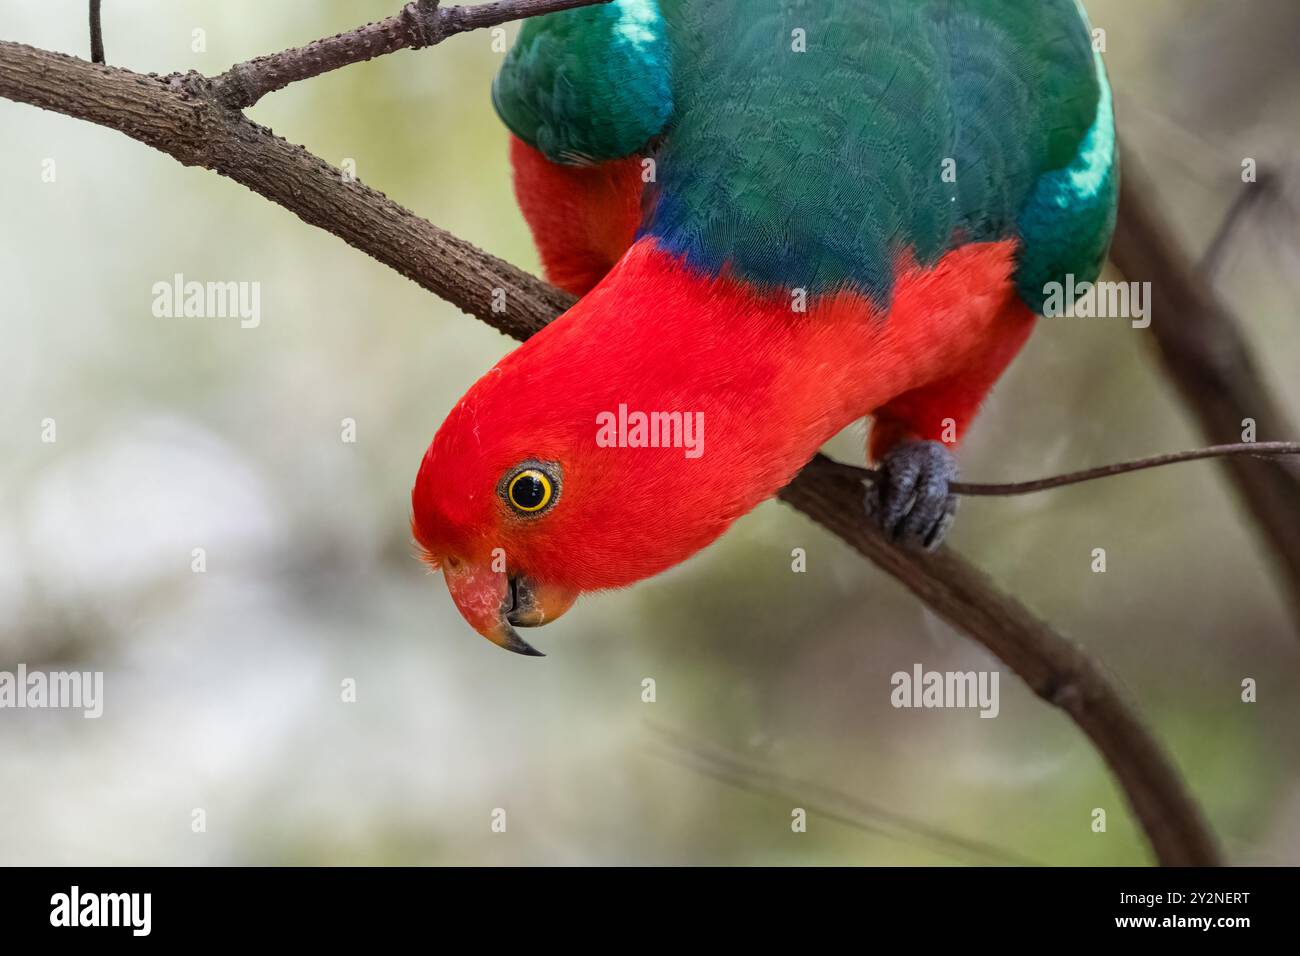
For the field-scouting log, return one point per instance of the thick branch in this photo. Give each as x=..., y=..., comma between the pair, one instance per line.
x=1205, y=352
x=416, y=25
x=181, y=117
x=1058, y=670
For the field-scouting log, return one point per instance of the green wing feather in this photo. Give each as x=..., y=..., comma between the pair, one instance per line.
x=805, y=143
x=589, y=84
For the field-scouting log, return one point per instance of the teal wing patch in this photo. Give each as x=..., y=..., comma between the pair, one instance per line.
x=588, y=85
x=1066, y=224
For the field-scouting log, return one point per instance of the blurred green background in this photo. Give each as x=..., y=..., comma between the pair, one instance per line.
x=223, y=688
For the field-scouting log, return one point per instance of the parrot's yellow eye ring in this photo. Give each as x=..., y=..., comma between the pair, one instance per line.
x=530, y=490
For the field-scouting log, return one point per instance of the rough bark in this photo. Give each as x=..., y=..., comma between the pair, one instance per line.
x=415, y=26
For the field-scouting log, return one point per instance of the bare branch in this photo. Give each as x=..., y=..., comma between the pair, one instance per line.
x=1251, y=449
x=96, y=34
x=1246, y=200
x=182, y=117
x=416, y=25
x=1205, y=353
x=713, y=761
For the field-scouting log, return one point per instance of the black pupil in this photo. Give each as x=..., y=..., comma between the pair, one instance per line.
x=529, y=492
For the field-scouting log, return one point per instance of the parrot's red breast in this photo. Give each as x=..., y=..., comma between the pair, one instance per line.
x=768, y=385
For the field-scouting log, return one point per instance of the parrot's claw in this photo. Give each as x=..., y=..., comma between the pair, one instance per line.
x=910, y=500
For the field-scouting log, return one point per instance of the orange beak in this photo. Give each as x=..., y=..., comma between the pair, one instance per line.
x=495, y=602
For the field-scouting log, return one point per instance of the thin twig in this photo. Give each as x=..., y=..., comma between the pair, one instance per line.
x=417, y=25
x=732, y=769
x=1257, y=449
x=1206, y=354
x=96, y=34
x=181, y=117
x=1247, y=198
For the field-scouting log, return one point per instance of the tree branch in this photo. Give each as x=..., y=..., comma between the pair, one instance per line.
x=1056, y=669
x=416, y=25
x=686, y=750
x=966, y=489
x=1205, y=353
x=183, y=117
x=1247, y=199
x=96, y=34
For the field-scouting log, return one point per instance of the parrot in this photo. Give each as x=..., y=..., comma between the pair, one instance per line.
x=779, y=218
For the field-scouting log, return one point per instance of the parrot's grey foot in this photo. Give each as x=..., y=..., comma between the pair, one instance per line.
x=909, y=499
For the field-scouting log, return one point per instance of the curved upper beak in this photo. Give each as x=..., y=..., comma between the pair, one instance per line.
x=495, y=602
